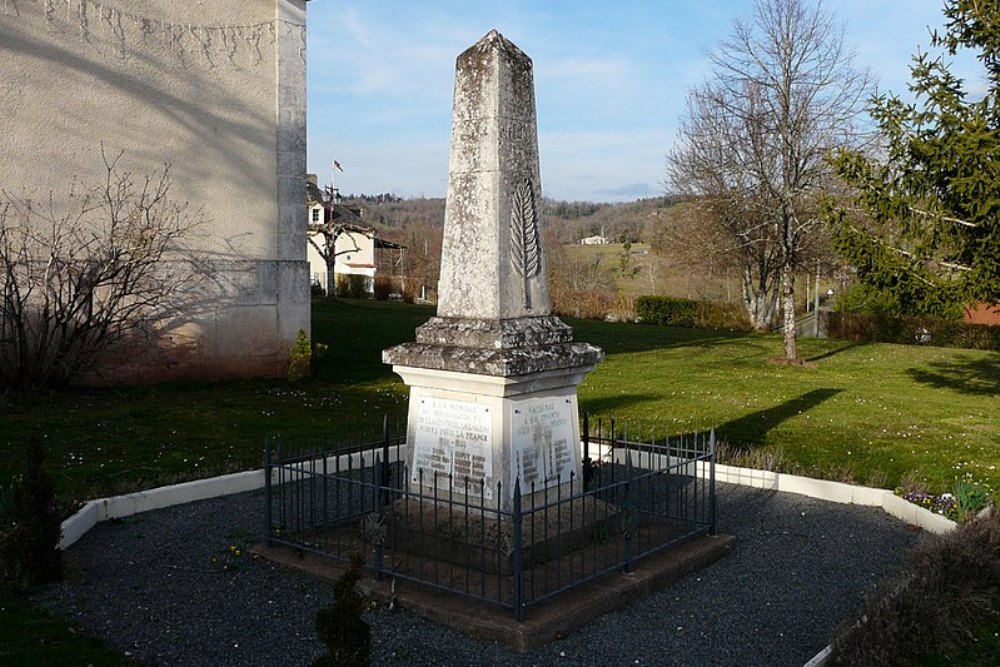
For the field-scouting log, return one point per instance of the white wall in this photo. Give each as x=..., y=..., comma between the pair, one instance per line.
x=215, y=89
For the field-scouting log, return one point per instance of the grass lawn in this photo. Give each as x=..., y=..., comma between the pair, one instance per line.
x=869, y=413
x=29, y=636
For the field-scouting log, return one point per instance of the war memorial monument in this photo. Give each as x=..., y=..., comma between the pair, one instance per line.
x=496, y=501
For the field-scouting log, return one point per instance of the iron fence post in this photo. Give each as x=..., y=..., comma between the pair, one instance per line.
x=377, y=475
x=385, y=460
x=518, y=563
x=587, y=463
x=711, y=478
x=630, y=511
x=267, y=490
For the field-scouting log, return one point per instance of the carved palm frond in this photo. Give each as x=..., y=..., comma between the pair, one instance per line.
x=525, y=249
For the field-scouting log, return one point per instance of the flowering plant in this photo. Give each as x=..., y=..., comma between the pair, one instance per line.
x=967, y=498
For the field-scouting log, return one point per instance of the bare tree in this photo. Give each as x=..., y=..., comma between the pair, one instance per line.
x=755, y=140
x=82, y=275
x=335, y=227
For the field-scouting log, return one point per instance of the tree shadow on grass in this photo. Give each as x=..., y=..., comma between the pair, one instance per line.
x=753, y=428
x=608, y=405
x=967, y=375
x=838, y=350
x=624, y=337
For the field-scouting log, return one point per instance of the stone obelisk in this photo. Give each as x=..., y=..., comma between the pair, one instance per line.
x=493, y=376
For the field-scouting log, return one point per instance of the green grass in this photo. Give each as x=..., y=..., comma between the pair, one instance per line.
x=29, y=636
x=982, y=652
x=121, y=439
x=869, y=413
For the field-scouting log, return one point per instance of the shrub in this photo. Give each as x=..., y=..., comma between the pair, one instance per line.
x=85, y=274
x=585, y=304
x=347, y=636
x=316, y=290
x=947, y=590
x=666, y=311
x=300, y=358
x=914, y=331
x=352, y=286
x=623, y=308
x=383, y=287
x=670, y=311
x=29, y=534
x=410, y=289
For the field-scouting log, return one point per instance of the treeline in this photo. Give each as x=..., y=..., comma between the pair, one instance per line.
x=384, y=198
x=568, y=222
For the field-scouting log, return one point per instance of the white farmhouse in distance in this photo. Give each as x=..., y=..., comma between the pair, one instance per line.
x=597, y=239
x=354, y=249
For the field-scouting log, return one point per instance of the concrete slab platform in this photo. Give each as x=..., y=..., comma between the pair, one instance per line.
x=544, y=622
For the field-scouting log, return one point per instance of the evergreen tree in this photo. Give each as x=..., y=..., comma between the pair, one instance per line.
x=929, y=235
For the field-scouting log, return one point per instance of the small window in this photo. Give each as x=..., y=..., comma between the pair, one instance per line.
x=315, y=214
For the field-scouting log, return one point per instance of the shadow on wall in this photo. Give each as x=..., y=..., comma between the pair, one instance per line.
x=207, y=126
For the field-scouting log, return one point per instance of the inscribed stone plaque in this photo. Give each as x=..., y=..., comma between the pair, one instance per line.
x=453, y=438
x=543, y=447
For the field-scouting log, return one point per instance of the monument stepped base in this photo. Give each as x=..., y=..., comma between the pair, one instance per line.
x=436, y=531
x=545, y=622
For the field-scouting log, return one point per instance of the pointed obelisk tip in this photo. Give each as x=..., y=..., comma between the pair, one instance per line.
x=494, y=41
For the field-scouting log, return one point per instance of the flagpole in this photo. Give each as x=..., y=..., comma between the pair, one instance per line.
x=334, y=166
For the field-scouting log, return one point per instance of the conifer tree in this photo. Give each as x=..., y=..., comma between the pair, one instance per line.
x=929, y=233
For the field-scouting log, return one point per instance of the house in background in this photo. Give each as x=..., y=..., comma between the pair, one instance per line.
x=594, y=240
x=357, y=250
x=983, y=313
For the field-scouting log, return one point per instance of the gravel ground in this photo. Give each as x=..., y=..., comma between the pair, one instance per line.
x=168, y=588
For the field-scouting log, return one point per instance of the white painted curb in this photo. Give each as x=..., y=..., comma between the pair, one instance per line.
x=118, y=507
x=820, y=659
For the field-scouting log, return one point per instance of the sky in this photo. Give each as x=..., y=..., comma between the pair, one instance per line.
x=610, y=82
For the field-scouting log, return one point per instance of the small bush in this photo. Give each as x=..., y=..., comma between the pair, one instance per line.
x=410, y=290
x=352, y=286
x=623, y=308
x=30, y=531
x=383, y=287
x=914, y=331
x=347, y=636
x=948, y=589
x=670, y=311
x=300, y=358
x=584, y=304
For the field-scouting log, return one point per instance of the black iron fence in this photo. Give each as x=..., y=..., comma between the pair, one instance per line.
x=639, y=494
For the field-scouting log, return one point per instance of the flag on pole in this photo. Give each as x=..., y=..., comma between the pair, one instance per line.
x=337, y=165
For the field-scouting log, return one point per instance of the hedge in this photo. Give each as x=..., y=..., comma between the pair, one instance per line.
x=674, y=312
x=914, y=331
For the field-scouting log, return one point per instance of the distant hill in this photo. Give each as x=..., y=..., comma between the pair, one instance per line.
x=568, y=222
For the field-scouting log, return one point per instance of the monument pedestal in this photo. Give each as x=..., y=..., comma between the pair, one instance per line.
x=492, y=430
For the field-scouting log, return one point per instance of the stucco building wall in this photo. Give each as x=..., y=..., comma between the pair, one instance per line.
x=215, y=89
